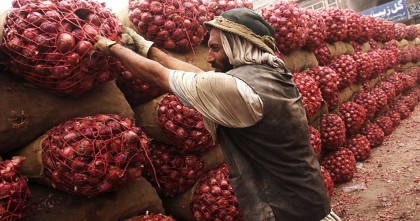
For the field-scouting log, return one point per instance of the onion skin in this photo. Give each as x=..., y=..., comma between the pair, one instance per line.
x=65, y=42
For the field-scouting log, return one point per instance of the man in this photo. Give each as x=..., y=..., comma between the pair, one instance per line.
x=252, y=106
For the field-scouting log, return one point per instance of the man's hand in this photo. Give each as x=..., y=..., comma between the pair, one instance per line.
x=103, y=45
x=142, y=45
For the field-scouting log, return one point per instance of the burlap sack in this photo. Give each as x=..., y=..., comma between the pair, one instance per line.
x=146, y=116
x=340, y=48
x=407, y=66
x=300, y=60
x=136, y=198
x=380, y=45
x=402, y=43
x=197, y=57
x=366, y=47
x=27, y=112
x=343, y=96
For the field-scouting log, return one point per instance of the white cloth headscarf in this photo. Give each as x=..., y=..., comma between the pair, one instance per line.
x=241, y=51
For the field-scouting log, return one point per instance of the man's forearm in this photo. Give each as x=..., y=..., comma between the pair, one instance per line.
x=144, y=68
x=171, y=62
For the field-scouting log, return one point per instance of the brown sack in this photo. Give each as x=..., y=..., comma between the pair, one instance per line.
x=134, y=199
x=402, y=43
x=340, y=48
x=27, y=112
x=299, y=60
x=146, y=116
x=366, y=47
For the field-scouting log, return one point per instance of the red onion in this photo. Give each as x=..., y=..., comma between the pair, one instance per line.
x=14, y=191
x=290, y=24
x=88, y=156
x=183, y=25
x=67, y=27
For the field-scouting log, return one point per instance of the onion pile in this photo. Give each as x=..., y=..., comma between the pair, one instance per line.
x=400, y=31
x=360, y=147
x=183, y=126
x=394, y=116
x=412, y=32
x=402, y=109
x=323, y=54
x=404, y=55
x=389, y=90
x=328, y=182
x=311, y=95
x=336, y=22
x=346, y=68
x=373, y=133
x=380, y=97
x=317, y=30
x=88, y=156
x=151, y=217
x=355, y=29
x=341, y=164
x=174, y=25
x=290, y=24
x=14, y=191
x=366, y=23
x=353, y=115
x=364, y=66
x=368, y=102
x=175, y=171
x=50, y=44
x=333, y=131
x=135, y=89
x=217, y=7
x=213, y=197
x=386, y=124
x=316, y=142
x=327, y=80
x=397, y=81
x=384, y=30
x=378, y=64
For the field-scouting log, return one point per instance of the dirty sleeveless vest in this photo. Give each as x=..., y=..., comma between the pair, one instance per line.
x=273, y=170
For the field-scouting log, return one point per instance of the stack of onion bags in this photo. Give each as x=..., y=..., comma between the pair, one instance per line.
x=14, y=191
x=183, y=126
x=50, y=43
x=89, y=156
x=175, y=25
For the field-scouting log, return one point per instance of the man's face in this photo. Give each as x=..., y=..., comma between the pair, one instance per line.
x=216, y=56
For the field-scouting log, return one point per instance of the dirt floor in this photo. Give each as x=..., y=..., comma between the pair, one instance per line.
x=387, y=185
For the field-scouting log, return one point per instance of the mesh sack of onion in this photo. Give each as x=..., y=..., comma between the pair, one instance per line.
x=136, y=90
x=217, y=7
x=317, y=30
x=167, y=120
x=328, y=81
x=174, y=25
x=50, y=44
x=311, y=95
x=14, y=191
x=290, y=24
x=336, y=22
x=173, y=172
x=213, y=197
x=88, y=156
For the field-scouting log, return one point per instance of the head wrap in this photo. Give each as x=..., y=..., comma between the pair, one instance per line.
x=247, y=24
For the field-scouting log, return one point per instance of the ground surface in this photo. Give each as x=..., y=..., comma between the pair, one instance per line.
x=387, y=185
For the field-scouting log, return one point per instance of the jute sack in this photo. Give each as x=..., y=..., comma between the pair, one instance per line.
x=197, y=56
x=146, y=116
x=134, y=199
x=407, y=66
x=27, y=112
x=299, y=60
x=340, y=48
x=366, y=47
x=402, y=43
